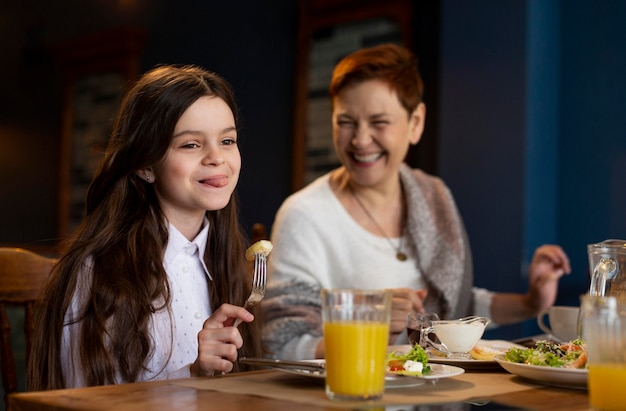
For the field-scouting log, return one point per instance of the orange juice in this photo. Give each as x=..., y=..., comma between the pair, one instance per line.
x=606, y=386
x=355, y=358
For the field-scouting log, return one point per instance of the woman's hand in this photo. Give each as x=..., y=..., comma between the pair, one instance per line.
x=404, y=301
x=548, y=265
x=218, y=341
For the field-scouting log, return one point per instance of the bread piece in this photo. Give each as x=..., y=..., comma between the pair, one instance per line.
x=260, y=247
x=484, y=353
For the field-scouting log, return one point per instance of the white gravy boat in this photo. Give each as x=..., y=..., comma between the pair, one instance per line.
x=456, y=337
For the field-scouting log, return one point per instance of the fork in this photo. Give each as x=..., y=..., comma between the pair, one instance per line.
x=259, y=280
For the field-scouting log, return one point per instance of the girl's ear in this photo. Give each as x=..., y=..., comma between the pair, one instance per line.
x=146, y=174
x=417, y=123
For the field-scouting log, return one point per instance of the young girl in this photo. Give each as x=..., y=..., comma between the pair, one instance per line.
x=152, y=280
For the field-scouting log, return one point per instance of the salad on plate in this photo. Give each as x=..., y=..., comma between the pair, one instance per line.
x=412, y=363
x=551, y=354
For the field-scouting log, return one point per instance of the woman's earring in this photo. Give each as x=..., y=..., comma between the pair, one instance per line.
x=148, y=178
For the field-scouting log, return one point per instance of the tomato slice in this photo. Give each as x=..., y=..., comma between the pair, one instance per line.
x=396, y=365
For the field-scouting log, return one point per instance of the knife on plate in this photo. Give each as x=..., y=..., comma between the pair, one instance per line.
x=298, y=365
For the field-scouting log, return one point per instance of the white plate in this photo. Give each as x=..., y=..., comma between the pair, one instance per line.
x=391, y=381
x=438, y=371
x=469, y=363
x=558, y=377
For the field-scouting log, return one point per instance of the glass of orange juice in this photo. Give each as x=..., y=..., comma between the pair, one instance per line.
x=604, y=332
x=356, y=331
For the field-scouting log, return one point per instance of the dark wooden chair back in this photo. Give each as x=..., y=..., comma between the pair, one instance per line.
x=23, y=275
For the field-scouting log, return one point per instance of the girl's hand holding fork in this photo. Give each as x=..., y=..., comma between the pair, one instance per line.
x=218, y=341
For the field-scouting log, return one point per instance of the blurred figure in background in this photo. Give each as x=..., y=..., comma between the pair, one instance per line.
x=376, y=223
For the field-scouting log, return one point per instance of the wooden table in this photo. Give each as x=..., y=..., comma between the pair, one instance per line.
x=254, y=391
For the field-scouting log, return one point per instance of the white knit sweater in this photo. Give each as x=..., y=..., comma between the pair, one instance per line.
x=318, y=245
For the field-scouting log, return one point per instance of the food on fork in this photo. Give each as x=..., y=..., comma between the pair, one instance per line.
x=413, y=363
x=260, y=247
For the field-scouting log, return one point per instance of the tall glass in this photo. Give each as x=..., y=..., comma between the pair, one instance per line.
x=604, y=332
x=356, y=332
x=416, y=323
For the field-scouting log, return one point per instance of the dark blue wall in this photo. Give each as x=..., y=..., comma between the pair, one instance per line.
x=533, y=132
x=592, y=142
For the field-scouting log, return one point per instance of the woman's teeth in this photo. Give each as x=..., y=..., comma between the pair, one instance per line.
x=367, y=158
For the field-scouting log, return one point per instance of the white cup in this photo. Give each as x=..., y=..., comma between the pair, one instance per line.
x=563, y=322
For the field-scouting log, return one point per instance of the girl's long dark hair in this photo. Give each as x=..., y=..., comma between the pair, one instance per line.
x=124, y=235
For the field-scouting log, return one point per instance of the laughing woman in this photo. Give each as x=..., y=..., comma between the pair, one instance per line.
x=376, y=223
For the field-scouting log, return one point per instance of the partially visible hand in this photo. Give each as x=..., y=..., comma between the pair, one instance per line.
x=218, y=341
x=404, y=301
x=548, y=265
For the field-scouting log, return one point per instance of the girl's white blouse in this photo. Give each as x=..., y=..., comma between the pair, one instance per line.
x=175, y=332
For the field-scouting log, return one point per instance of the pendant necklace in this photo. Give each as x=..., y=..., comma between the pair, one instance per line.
x=400, y=255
